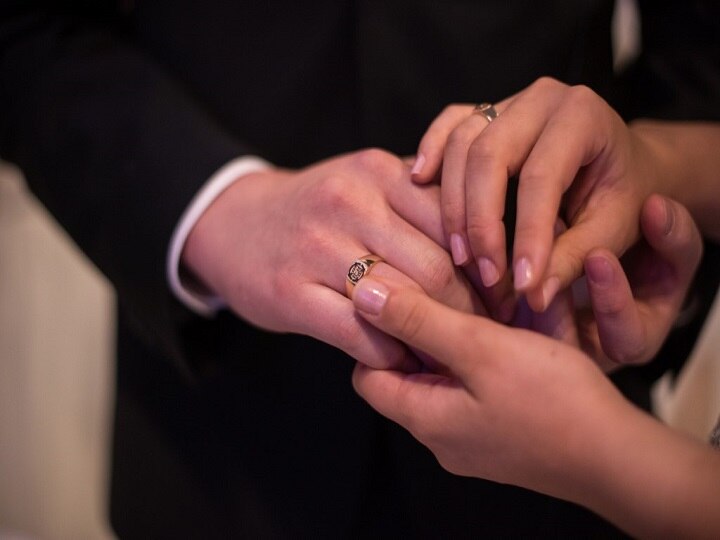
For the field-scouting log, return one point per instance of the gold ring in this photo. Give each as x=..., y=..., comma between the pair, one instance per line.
x=487, y=110
x=358, y=270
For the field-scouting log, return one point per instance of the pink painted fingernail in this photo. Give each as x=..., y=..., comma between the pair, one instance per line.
x=370, y=296
x=418, y=165
x=488, y=271
x=523, y=274
x=458, y=249
x=550, y=289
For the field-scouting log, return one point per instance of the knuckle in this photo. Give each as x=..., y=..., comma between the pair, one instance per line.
x=535, y=173
x=376, y=162
x=546, y=83
x=480, y=227
x=630, y=351
x=412, y=321
x=581, y=96
x=611, y=307
x=453, y=109
x=483, y=150
x=438, y=275
x=462, y=135
x=453, y=212
x=350, y=335
x=573, y=258
x=335, y=192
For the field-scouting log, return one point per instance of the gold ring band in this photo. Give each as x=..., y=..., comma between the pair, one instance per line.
x=486, y=110
x=358, y=270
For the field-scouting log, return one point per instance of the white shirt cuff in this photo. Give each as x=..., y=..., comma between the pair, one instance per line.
x=204, y=304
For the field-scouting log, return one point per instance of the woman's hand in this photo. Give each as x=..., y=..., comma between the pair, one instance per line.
x=517, y=407
x=626, y=310
x=506, y=404
x=574, y=156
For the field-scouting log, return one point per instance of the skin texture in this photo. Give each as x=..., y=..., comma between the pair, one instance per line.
x=301, y=231
x=575, y=157
x=514, y=406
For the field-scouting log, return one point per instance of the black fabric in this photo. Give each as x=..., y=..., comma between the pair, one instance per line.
x=117, y=112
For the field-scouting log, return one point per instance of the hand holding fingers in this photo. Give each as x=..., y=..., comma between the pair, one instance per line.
x=498, y=408
x=276, y=246
x=331, y=317
x=419, y=321
x=564, y=142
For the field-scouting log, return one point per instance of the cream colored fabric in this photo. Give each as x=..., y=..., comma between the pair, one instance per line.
x=693, y=405
x=56, y=350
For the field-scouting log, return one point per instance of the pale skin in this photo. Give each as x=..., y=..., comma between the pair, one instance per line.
x=514, y=406
x=277, y=244
x=575, y=157
x=301, y=230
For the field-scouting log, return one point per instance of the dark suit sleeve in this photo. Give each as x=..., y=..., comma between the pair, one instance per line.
x=677, y=73
x=112, y=145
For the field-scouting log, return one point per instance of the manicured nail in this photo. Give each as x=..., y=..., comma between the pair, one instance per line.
x=599, y=271
x=370, y=296
x=550, y=289
x=523, y=274
x=488, y=271
x=458, y=249
x=419, y=164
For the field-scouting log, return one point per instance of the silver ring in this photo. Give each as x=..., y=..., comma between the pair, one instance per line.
x=359, y=269
x=487, y=110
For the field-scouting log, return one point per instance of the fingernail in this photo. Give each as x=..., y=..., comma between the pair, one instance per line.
x=370, y=296
x=550, y=289
x=488, y=271
x=418, y=165
x=669, y=217
x=599, y=271
x=458, y=249
x=523, y=274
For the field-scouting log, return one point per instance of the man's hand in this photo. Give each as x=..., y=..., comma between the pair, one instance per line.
x=276, y=246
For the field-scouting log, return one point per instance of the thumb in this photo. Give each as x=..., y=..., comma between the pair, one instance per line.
x=453, y=338
x=672, y=233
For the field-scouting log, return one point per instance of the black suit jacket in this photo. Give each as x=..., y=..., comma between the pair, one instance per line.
x=118, y=112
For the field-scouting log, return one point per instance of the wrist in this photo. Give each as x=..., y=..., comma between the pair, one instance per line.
x=593, y=452
x=199, y=260
x=650, y=480
x=186, y=287
x=212, y=243
x=655, y=143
